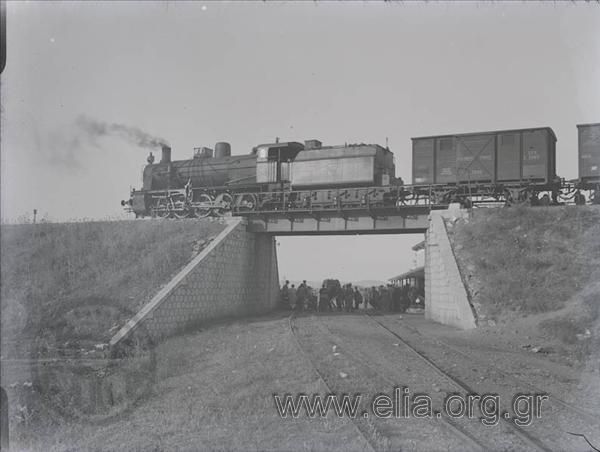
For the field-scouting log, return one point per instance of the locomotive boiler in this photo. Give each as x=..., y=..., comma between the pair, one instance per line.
x=272, y=176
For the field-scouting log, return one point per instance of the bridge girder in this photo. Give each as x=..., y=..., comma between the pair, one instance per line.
x=390, y=220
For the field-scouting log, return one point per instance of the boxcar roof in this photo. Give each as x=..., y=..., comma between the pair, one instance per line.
x=589, y=125
x=486, y=132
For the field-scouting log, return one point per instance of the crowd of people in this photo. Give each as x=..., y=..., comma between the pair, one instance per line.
x=395, y=298
x=334, y=297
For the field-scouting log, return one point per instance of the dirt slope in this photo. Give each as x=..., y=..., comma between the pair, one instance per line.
x=535, y=269
x=46, y=267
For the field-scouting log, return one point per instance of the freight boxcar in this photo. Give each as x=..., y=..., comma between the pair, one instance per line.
x=507, y=157
x=589, y=154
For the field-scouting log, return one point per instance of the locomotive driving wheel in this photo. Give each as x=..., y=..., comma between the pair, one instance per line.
x=204, y=209
x=225, y=201
x=181, y=209
x=247, y=202
x=180, y=214
x=162, y=209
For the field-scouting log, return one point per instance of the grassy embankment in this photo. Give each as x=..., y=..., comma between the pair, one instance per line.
x=46, y=267
x=542, y=263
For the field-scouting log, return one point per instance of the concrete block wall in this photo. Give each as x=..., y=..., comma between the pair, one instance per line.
x=235, y=275
x=446, y=299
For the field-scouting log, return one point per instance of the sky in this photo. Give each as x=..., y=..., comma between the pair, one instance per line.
x=195, y=73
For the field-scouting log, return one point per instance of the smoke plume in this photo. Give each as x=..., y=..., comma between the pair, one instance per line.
x=94, y=129
x=67, y=146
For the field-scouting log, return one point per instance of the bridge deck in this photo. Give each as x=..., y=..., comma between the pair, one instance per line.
x=381, y=220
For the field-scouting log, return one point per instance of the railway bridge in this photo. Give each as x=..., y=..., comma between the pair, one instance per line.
x=237, y=274
x=447, y=299
x=380, y=220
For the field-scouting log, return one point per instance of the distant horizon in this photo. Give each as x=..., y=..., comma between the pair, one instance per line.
x=320, y=282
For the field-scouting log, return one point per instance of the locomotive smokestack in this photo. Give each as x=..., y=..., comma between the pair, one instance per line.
x=166, y=154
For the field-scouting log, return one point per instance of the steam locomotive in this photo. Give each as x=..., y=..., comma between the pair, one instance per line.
x=273, y=176
x=509, y=166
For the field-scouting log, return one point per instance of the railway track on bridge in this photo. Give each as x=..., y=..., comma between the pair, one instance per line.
x=557, y=425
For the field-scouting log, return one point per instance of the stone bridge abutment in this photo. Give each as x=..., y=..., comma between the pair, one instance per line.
x=446, y=298
x=235, y=275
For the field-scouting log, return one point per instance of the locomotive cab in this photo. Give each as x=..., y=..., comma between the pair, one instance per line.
x=273, y=161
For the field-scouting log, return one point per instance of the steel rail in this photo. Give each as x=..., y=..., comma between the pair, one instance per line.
x=592, y=417
x=531, y=440
x=473, y=442
x=322, y=377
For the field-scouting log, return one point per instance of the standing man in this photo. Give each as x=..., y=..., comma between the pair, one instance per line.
x=404, y=299
x=301, y=296
x=358, y=298
x=285, y=294
x=348, y=297
x=323, y=299
x=307, y=295
x=386, y=299
x=335, y=298
x=292, y=297
x=373, y=297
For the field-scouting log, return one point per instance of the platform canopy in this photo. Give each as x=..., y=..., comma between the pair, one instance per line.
x=418, y=272
x=419, y=246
